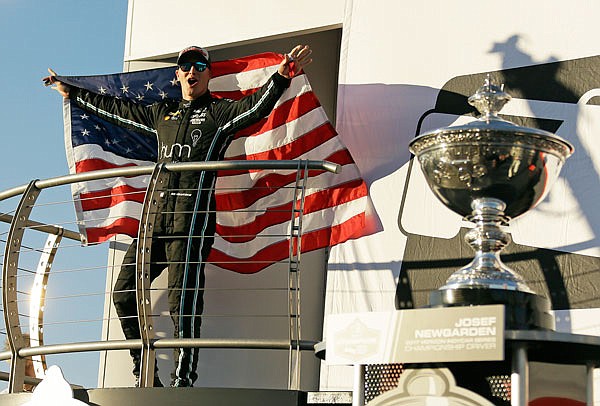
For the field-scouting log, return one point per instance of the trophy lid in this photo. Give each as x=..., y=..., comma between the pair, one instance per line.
x=490, y=128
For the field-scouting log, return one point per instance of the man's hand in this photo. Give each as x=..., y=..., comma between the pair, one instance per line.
x=59, y=86
x=295, y=60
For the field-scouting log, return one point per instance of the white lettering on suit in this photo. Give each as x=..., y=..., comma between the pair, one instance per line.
x=176, y=151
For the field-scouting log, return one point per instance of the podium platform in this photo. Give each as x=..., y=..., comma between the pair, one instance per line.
x=195, y=396
x=521, y=348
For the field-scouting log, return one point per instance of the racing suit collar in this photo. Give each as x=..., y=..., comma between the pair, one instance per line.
x=202, y=100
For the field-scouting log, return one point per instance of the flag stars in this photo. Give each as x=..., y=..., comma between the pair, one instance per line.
x=149, y=86
x=85, y=132
x=84, y=116
x=174, y=82
x=97, y=127
x=125, y=89
x=163, y=95
x=140, y=97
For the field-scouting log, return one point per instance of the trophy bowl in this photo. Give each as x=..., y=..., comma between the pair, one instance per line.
x=472, y=162
x=490, y=171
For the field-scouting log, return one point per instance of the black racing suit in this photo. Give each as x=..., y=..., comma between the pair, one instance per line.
x=184, y=228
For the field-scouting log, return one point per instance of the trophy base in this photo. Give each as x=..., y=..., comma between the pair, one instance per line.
x=523, y=310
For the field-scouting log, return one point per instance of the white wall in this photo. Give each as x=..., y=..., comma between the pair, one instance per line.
x=162, y=28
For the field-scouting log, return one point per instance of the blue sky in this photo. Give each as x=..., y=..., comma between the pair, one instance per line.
x=74, y=37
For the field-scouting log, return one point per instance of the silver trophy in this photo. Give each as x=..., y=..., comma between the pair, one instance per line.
x=490, y=171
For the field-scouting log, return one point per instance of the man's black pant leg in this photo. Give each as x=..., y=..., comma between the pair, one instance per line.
x=124, y=292
x=186, y=300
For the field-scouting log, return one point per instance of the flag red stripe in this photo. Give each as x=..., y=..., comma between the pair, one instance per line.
x=267, y=184
x=103, y=199
x=286, y=112
x=245, y=64
x=313, y=203
x=347, y=230
x=124, y=225
x=323, y=237
x=267, y=256
x=233, y=94
x=555, y=401
x=292, y=150
x=96, y=164
x=276, y=252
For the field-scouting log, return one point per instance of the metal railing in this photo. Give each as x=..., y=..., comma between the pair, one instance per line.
x=25, y=281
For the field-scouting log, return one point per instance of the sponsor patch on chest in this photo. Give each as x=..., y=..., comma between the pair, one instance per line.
x=198, y=116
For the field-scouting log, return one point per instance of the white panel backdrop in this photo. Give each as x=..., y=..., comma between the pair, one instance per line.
x=396, y=55
x=158, y=27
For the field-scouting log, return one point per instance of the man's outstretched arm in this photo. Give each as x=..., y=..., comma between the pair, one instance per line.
x=295, y=60
x=57, y=85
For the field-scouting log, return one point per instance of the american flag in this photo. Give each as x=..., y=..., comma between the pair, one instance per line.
x=297, y=128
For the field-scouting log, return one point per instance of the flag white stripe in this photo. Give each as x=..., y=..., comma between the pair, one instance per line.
x=137, y=182
x=243, y=80
x=310, y=222
x=299, y=85
x=248, y=179
x=277, y=137
x=67, y=135
x=105, y=217
x=94, y=151
x=283, y=195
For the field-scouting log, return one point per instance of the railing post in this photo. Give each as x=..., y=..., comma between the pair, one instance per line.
x=9, y=286
x=294, y=275
x=590, y=389
x=358, y=386
x=156, y=186
x=519, y=392
x=38, y=299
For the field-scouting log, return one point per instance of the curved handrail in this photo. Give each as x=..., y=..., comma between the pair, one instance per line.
x=174, y=167
x=245, y=343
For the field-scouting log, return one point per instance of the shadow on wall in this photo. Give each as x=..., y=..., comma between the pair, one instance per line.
x=568, y=280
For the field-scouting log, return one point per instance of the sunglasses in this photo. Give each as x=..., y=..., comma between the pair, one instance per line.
x=199, y=66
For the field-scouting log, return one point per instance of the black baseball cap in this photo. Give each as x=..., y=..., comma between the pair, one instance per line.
x=193, y=52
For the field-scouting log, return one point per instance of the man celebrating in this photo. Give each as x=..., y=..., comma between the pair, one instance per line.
x=197, y=128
